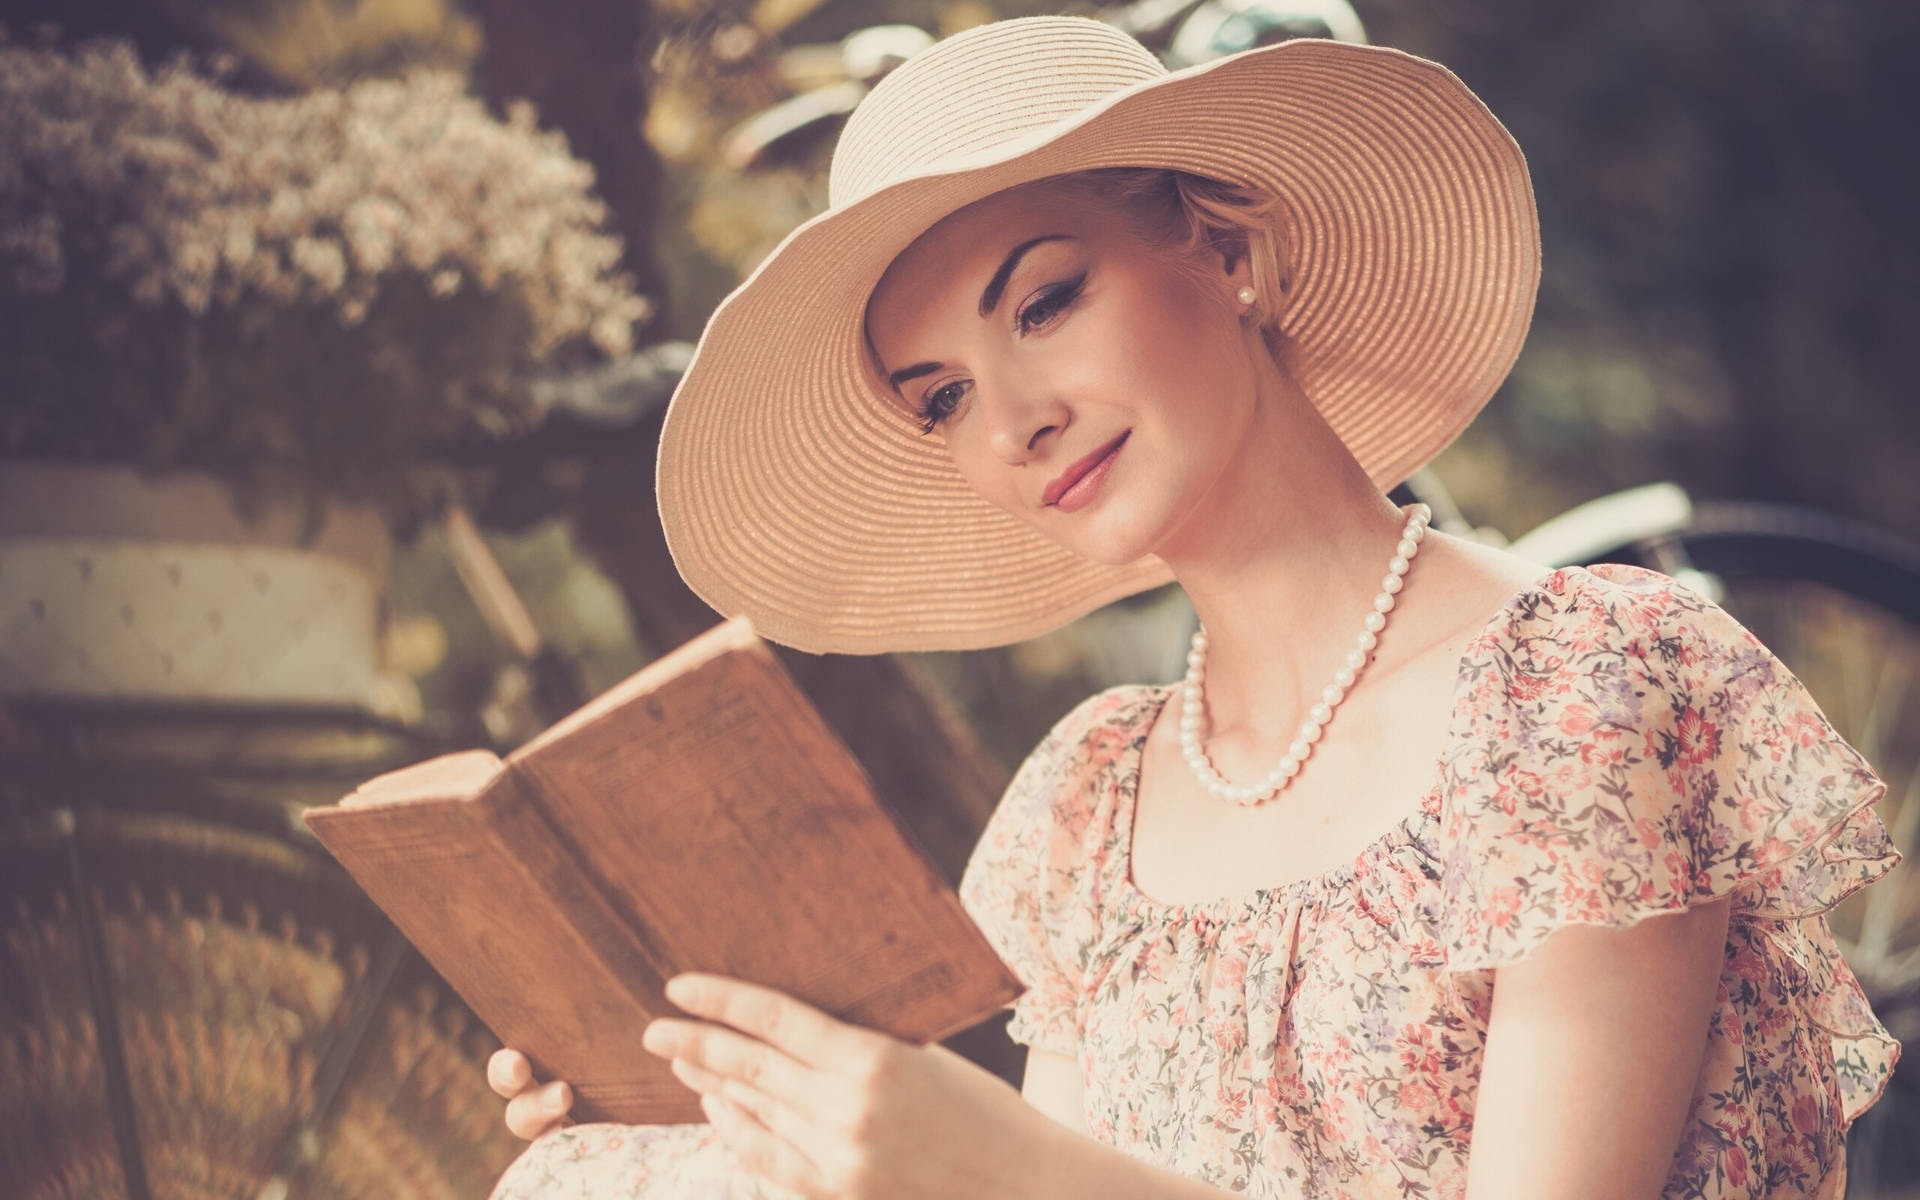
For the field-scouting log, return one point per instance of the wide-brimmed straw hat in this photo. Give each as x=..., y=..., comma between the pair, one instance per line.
x=793, y=490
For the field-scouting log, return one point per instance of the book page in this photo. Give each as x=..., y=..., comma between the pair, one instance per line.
x=448, y=777
x=729, y=636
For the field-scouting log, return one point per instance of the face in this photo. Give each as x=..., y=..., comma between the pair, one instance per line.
x=1033, y=330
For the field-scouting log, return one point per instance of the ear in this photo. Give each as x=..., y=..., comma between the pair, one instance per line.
x=1236, y=265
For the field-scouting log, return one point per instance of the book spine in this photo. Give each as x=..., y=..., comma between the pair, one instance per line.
x=511, y=811
x=627, y=1083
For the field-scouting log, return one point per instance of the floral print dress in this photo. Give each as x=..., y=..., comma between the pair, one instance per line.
x=1620, y=747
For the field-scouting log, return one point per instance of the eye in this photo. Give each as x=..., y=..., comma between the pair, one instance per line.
x=1050, y=303
x=932, y=411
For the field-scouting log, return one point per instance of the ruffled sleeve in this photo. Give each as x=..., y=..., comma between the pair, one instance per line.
x=1635, y=750
x=1020, y=882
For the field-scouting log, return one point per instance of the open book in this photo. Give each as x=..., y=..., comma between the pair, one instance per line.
x=700, y=815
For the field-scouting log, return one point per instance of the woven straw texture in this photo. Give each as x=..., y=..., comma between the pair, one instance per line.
x=792, y=491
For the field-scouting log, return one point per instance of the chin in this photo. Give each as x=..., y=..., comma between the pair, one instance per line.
x=1109, y=532
x=1111, y=551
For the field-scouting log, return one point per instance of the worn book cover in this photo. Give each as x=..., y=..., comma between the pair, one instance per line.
x=698, y=816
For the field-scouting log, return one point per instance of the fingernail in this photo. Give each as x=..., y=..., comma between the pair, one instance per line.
x=555, y=1102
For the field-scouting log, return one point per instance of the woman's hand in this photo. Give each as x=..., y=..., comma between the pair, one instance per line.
x=531, y=1110
x=838, y=1112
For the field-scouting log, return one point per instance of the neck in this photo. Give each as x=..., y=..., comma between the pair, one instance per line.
x=1282, y=559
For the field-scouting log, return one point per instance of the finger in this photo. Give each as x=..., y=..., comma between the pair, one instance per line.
x=537, y=1110
x=763, y=1151
x=508, y=1072
x=724, y=1052
x=531, y=1114
x=791, y=1126
x=698, y=1078
x=806, y=1034
x=779, y=1119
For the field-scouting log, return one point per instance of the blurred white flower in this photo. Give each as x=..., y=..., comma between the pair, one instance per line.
x=195, y=193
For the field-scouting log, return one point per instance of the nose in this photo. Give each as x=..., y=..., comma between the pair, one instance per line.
x=1019, y=413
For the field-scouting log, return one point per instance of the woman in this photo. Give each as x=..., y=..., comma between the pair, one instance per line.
x=1073, y=327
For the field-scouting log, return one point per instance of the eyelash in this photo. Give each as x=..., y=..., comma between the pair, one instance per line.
x=1053, y=301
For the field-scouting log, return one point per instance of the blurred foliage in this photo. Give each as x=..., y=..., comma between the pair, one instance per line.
x=439, y=639
x=330, y=43
x=716, y=65
x=1729, y=295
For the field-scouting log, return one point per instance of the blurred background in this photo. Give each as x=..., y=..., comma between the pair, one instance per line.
x=334, y=337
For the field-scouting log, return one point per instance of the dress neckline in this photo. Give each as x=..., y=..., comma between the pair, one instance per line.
x=1138, y=718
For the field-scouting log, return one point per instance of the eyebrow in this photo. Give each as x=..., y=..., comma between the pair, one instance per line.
x=989, y=300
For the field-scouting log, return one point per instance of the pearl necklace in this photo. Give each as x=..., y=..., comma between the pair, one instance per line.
x=1330, y=697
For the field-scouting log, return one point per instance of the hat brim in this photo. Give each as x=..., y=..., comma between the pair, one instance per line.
x=792, y=490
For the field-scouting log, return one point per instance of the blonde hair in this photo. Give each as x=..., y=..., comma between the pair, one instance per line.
x=1201, y=224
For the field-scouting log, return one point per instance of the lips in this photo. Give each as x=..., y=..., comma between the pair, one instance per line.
x=1075, y=470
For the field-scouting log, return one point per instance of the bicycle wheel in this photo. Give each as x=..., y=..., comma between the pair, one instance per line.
x=197, y=1003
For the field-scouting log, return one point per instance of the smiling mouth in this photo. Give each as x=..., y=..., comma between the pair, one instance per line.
x=1093, y=463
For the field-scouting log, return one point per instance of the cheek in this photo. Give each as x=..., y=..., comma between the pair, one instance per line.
x=984, y=473
x=1164, y=333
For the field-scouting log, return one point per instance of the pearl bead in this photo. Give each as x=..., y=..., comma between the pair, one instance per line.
x=1320, y=714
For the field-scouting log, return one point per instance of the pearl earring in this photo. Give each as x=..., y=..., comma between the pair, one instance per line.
x=1246, y=295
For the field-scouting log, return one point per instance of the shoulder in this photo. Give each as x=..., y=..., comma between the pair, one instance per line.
x=1622, y=682
x=1096, y=728
x=1081, y=745
x=1622, y=678
x=1607, y=628
x=1046, y=814
x=1633, y=750
x=1630, y=606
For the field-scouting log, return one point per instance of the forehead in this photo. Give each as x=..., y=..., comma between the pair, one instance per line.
x=956, y=256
